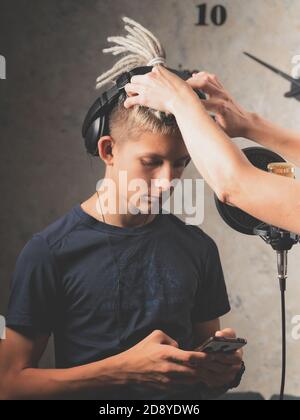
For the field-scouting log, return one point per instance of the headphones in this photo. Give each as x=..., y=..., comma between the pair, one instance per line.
x=96, y=125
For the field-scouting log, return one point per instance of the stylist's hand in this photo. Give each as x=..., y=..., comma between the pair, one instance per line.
x=159, y=89
x=231, y=117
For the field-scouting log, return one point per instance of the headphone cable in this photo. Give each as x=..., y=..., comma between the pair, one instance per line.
x=118, y=300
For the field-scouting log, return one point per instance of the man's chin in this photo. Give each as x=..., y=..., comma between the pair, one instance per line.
x=150, y=207
x=146, y=207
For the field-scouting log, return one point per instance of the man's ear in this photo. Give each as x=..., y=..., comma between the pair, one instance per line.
x=105, y=148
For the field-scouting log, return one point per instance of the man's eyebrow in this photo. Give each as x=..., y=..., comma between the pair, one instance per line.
x=156, y=156
x=186, y=157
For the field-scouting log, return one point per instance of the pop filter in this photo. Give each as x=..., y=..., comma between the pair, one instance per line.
x=234, y=217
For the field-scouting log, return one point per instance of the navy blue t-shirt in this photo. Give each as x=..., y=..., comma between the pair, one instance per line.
x=100, y=289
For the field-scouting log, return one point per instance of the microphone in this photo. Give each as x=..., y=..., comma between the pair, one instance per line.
x=280, y=240
x=236, y=218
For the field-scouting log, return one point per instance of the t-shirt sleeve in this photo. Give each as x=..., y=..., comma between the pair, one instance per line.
x=33, y=294
x=211, y=300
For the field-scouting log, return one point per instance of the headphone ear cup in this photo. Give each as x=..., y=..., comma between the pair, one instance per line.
x=91, y=138
x=96, y=130
x=104, y=129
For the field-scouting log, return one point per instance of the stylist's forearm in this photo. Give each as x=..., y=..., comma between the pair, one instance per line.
x=215, y=156
x=281, y=140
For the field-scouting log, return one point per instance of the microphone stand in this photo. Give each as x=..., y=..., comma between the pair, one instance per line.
x=282, y=242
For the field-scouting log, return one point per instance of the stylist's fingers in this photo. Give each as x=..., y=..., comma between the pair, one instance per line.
x=142, y=79
x=213, y=105
x=132, y=88
x=217, y=107
x=134, y=94
x=131, y=101
x=206, y=86
x=210, y=76
x=158, y=72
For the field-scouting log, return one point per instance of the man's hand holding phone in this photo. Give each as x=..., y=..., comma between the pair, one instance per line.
x=219, y=369
x=157, y=361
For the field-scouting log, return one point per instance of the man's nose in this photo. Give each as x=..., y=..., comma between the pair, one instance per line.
x=165, y=178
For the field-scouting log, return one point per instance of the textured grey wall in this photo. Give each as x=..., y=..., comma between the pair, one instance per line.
x=53, y=52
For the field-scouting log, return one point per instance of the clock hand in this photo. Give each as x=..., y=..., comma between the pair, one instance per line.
x=292, y=93
x=295, y=82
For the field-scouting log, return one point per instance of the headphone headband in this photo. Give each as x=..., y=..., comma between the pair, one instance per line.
x=95, y=124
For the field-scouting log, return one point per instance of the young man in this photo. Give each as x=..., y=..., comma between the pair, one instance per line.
x=127, y=296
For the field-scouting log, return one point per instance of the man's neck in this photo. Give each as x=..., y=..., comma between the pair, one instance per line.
x=120, y=220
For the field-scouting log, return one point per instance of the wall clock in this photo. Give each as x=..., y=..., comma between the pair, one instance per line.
x=295, y=83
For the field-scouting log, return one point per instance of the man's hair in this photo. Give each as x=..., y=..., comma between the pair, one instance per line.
x=139, y=48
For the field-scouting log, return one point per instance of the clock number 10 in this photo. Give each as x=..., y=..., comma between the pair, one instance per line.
x=218, y=15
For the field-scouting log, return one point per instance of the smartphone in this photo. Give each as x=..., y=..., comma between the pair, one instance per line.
x=221, y=345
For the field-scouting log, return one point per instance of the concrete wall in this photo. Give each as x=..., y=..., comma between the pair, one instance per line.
x=53, y=53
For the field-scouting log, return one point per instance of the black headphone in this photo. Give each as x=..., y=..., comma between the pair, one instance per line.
x=96, y=125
